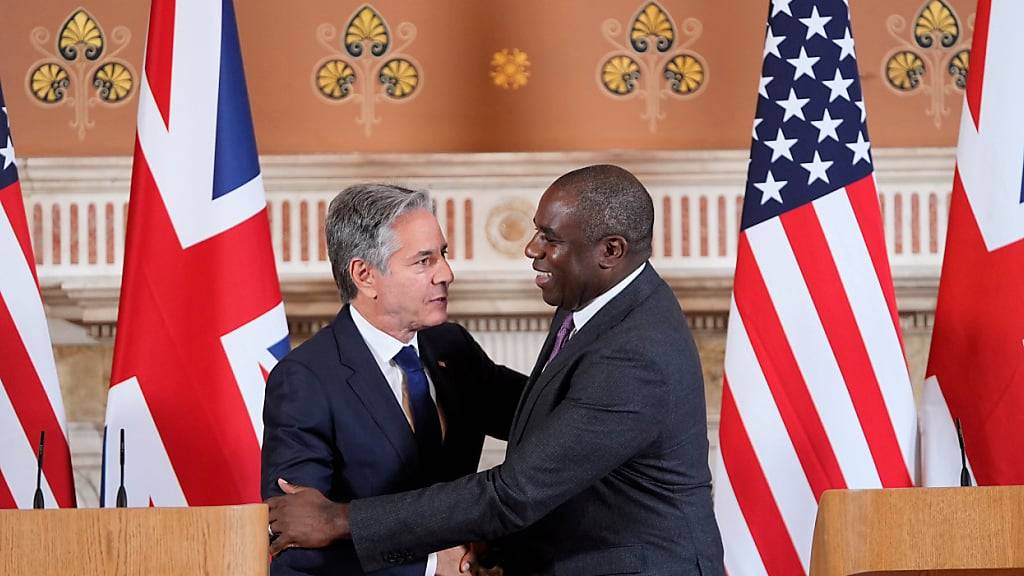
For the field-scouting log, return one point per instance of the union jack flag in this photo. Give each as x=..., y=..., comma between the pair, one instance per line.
x=817, y=393
x=30, y=400
x=977, y=353
x=201, y=322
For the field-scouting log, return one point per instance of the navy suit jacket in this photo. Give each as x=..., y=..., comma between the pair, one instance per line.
x=607, y=464
x=331, y=422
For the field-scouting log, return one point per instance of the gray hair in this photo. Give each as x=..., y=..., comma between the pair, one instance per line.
x=360, y=224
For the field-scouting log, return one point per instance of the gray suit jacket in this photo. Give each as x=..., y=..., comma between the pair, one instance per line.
x=606, y=470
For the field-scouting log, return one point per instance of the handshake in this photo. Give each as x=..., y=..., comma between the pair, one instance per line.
x=464, y=560
x=305, y=518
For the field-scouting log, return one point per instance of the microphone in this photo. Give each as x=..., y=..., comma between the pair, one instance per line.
x=37, y=500
x=965, y=475
x=122, y=496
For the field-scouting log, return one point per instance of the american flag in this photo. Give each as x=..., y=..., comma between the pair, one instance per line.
x=201, y=322
x=30, y=400
x=975, y=365
x=817, y=393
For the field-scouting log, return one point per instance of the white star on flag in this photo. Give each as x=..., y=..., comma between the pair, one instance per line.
x=827, y=126
x=860, y=149
x=8, y=153
x=762, y=89
x=781, y=146
x=838, y=86
x=804, y=64
x=815, y=24
x=817, y=169
x=793, y=106
x=770, y=189
x=845, y=45
x=781, y=6
x=753, y=131
x=771, y=43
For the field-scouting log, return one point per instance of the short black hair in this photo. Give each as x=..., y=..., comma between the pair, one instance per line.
x=612, y=202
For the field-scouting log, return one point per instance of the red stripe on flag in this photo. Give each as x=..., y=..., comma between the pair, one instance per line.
x=160, y=55
x=754, y=496
x=786, y=382
x=35, y=413
x=979, y=48
x=12, y=204
x=803, y=229
x=6, y=498
x=864, y=200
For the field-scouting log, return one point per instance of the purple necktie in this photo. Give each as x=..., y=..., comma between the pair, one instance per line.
x=562, y=337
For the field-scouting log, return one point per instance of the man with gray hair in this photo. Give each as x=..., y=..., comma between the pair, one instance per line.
x=390, y=396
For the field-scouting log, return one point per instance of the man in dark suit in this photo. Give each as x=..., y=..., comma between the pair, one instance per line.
x=606, y=470
x=388, y=397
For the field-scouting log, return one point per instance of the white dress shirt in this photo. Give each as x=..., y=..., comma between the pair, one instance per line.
x=384, y=347
x=583, y=315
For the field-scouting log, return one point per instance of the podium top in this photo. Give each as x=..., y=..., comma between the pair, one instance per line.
x=919, y=530
x=207, y=541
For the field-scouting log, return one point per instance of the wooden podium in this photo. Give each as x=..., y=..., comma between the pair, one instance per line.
x=920, y=531
x=212, y=541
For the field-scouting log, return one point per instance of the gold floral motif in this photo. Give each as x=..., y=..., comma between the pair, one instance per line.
x=367, y=27
x=399, y=77
x=80, y=30
x=49, y=83
x=936, y=18
x=652, y=23
x=335, y=78
x=114, y=81
x=685, y=74
x=510, y=69
x=934, y=43
x=673, y=70
x=369, y=67
x=620, y=74
x=74, y=74
x=904, y=70
x=958, y=68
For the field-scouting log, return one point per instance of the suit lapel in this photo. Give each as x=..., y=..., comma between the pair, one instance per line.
x=607, y=318
x=372, y=389
x=545, y=351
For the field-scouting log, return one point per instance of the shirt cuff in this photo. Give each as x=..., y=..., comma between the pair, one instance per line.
x=431, y=564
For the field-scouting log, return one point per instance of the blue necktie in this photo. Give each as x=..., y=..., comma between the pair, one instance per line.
x=424, y=411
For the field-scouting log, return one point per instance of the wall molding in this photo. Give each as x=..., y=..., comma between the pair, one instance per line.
x=76, y=209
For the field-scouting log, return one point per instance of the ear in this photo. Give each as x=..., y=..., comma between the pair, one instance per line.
x=613, y=250
x=363, y=277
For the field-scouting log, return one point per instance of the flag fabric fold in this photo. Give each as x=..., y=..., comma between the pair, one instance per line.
x=976, y=364
x=30, y=397
x=816, y=388
x=201, y=322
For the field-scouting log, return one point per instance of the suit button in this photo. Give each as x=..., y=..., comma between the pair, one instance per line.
x=392, y=558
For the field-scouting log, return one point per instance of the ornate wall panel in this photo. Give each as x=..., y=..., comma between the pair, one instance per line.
x=330, y=76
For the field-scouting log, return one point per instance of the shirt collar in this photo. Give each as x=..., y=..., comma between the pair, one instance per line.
x=382, y=345
x=583, y=315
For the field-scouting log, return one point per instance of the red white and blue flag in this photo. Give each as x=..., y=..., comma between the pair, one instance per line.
x=201, y=321
x=976, y=365
x=30, y=400
x=816, y=389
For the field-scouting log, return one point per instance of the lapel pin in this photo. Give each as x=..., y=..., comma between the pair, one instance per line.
x=441, y=364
